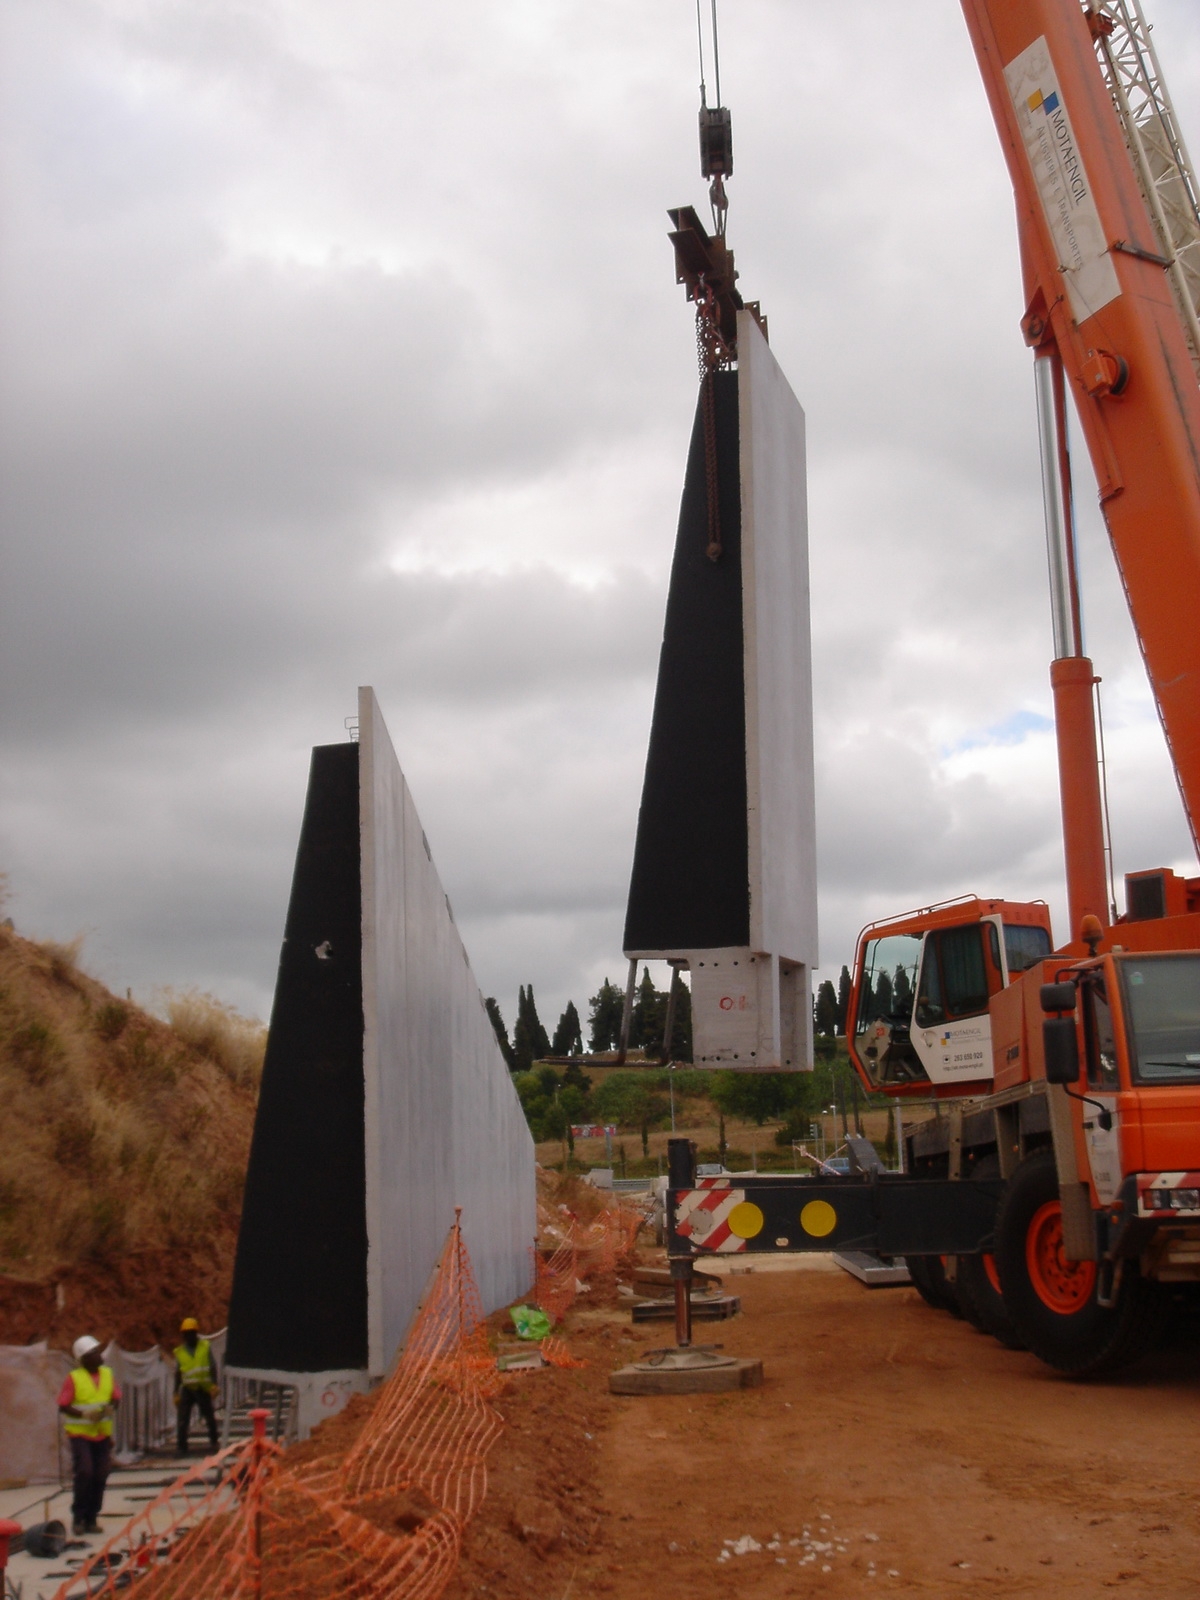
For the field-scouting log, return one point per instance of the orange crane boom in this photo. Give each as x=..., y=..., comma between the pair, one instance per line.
x=1100, y=301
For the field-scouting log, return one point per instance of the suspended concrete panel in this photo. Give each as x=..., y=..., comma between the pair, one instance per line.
x=385, y=1100
x=724, y=872
x=691, y=883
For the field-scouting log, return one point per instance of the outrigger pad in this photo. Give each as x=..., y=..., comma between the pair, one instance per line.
x=695, y=1370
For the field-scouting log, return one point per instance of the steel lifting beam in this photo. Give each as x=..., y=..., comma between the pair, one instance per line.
x=894, y=1214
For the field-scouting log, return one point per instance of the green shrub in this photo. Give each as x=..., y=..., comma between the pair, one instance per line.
x=111, y=1019
x=104, y=1225
x=35, y=1048
x=74, y=1140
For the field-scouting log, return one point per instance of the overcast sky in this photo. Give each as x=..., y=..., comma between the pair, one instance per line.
x=341, y=345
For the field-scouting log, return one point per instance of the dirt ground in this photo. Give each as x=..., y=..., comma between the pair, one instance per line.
x=890, y=1448
x=137, y=1299
x=697, y=1121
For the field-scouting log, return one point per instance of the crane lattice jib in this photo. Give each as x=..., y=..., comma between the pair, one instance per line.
x=1098, y=290
x=1160, y=159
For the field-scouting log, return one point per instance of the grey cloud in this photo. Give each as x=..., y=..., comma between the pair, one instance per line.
x=288, y=289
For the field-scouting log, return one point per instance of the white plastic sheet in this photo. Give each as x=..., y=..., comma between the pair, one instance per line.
x=146, y=1416
x=30, y=1437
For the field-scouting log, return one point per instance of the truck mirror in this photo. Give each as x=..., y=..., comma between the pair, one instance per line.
x=1060, y=1044
x=1058, y=997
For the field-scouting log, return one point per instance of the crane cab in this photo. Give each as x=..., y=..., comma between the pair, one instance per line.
x=918, y=1020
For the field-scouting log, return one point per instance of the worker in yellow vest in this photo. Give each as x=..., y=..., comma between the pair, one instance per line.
x=87, y=1400
x=195, y=1383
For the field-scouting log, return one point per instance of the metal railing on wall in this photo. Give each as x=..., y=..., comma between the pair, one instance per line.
x=145, y=1419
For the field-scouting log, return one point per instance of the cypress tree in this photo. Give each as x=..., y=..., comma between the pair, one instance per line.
x=681, y=1033
x=604, y=1018
x=538, y=1037
x=506, y=1049
x=883, y=995
x=826, y=1009
x=649, y=1016
x=843, y=999
x=522, y=1044
x=902, y=995
x=568, y=1038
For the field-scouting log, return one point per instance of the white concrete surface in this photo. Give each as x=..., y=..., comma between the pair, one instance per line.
x=444, y=1125
x=778, y=655
x=319, y=1395
x=129, y=1491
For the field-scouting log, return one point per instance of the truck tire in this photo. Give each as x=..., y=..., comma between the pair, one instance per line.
x=1052, y=1301
x=929, y=1280
x=978, y=1280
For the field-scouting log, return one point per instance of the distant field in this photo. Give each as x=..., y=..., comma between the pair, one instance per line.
x=698, y=1120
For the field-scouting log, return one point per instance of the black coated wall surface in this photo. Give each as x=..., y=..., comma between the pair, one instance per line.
x=300, y=1279
x=690, y=883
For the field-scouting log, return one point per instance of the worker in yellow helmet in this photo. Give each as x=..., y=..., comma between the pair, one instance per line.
x=87, y=1400
x=195, y=1383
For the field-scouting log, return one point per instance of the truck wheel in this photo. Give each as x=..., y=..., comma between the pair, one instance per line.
x=929, y=1280
x=1052, y=1300
x=978, y=1283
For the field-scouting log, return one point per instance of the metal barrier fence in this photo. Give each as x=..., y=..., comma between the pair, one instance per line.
x=384, y=1522
x=145, y=1419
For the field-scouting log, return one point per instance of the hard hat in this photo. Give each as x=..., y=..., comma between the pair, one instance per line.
x=189, y=1325
x=81, y=1346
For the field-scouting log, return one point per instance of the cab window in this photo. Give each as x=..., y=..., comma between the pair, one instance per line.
x=954, y=974
x=1162, y=1004
x=1099, y=1038
x=889, y=966
x=1023, y=946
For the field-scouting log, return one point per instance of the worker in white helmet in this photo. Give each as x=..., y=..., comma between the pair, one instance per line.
x=88, y=1399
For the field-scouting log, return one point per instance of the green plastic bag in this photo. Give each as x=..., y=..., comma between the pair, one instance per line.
x=529, y=1322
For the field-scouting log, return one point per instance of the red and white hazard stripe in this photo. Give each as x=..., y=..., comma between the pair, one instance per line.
x=1175, y=1194
x=702, y=1215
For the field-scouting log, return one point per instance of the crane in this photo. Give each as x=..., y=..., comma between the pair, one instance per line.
x=1056, y=1219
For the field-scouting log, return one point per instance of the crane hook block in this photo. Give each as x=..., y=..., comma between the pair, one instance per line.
x=716, y=142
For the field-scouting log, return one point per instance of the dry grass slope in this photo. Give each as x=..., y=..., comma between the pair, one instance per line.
x=121, y=1134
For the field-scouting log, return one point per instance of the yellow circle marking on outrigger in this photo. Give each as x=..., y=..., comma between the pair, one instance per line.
x=746, y=1220
x=818, y=1218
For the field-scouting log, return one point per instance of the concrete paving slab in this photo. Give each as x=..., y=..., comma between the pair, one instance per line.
x=129, y=1491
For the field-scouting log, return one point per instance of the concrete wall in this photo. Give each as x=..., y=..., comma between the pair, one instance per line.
x=444, y=1126
x=385, y=1101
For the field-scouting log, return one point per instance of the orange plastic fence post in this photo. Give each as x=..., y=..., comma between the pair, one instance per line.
x=8, y=1530
x=258, y=1449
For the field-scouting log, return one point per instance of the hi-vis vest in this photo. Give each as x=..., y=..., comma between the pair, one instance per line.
x=195, y=1366
x=89, y=1391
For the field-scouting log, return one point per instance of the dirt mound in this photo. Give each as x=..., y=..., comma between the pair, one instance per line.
x=541, y=1515
x=123, y=1151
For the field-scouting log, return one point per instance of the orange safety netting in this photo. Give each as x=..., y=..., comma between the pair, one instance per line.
x=598, y=1247
x=383, y=1523
x=554, y=1350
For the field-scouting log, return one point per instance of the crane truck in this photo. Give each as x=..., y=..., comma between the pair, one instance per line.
x=1055, y=1201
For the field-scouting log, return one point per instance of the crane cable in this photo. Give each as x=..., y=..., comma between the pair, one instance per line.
x=716, y=52
x=714, y=354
